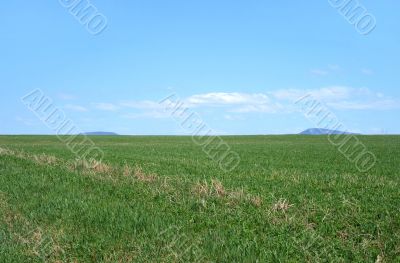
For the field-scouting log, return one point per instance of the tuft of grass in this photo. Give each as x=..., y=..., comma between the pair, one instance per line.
x=127, y=170
x=43, y=159
x=201, y=189
x=217, y=188
x=142, y=176
x=100, y=167
x=256, y=201
x=282, y=205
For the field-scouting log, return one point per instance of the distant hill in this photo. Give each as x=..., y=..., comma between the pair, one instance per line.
x=318, y=131
x=99, y=133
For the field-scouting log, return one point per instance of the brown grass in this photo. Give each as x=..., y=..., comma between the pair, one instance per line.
x=218, y=188
x=40, y=243
x=281, y=206
x=256, y=201
x=201, y=189
x=127, y=170
x=78, y=165
x=3, y=150
x=143, y=177
x=44, y=159
x=237, y=194
x=343, y=235
x=379, y=259
x=215, y=189
x=93, y=166
x=100, y=167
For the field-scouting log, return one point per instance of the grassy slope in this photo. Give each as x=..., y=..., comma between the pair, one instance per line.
x=336, y=214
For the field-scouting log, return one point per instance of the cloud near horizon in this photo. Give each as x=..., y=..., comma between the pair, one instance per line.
x=279, y=101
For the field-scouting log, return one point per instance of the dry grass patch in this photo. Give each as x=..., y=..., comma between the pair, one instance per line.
x=78, y=165
x=379, y=259
x=142, y=176
x=100, y=167
x=237, y=195
x=127, y=170
x=343, y=235
x=5, y=151
x=256, y=201
x=281, y=206
x=44, y=159
x=41, y=244
x=92, y=166
x=201, y=189
x=217, y=189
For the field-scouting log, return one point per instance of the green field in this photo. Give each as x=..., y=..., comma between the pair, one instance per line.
x=162, y=199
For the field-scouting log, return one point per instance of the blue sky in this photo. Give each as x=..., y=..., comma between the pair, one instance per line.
x=238, y=64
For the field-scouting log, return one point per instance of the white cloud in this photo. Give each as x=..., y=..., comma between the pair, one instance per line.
x=235, y=105
x=331, y=93
x=257, y=108
x=105, y=106
x=145, y=104
x=230, y=101
x=225, y=98
x=288, y=94
x=346, y=98
x=341, y=97
x=328, y=93
x=235, y=102
x=75, y=107
x=385, y=104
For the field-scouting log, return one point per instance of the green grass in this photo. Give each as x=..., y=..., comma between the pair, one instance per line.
x=330, y=212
